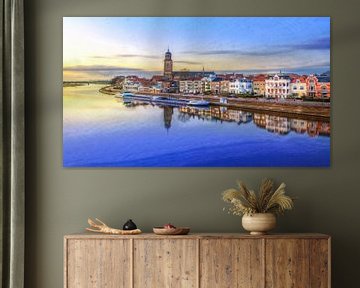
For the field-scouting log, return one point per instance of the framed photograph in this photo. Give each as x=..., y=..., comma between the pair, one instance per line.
x=196, y=91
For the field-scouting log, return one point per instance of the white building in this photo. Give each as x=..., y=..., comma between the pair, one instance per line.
x=131, y=86
x=241, y=86
x=206, y=84
x=194, y=86
x=277, y=86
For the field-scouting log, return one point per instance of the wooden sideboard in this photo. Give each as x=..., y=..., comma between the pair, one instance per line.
x=197, y=260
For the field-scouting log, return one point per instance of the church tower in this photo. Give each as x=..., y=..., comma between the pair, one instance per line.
x=168, y=65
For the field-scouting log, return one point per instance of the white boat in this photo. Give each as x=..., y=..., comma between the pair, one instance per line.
x=127, y=94
x=158, y=98
x=199, y=103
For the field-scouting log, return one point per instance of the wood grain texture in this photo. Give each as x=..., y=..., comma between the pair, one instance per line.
x=319, y=263
x=88, y=235
x=98, y=264
x=287, y=263
x=164, y=263
x=197, y=260
x=231, y=263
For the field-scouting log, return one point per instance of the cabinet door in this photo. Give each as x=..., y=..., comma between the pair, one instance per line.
x=287, y=263
x=165, y=263
x=231, y=263
x=98, y=263
x=320, y=263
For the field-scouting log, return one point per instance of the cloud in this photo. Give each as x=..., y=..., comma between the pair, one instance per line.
x=127, y=56
x=212, y=52
x=307, y=68
x=255, y=53
x=99, y=68
x=188, y=62
x=318, y=44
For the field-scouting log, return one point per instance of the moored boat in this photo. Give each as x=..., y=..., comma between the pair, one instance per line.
x=124, y=95
x=199, y=103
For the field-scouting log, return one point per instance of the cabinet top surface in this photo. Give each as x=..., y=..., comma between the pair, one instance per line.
x=87, y=235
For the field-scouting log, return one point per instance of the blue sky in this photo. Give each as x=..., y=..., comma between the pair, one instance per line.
x=101, y=47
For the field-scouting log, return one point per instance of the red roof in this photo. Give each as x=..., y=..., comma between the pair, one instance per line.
x=157, y=78
x=260, y=77
x=302, y=79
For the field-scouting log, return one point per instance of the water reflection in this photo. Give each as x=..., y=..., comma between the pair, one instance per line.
x=272, y=123
x=168, y=113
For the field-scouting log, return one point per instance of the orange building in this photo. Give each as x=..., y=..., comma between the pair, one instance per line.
x=323, y=87
x=259, y=84
x=215, y=85
x=318, y=86
x=224, y=86
x=311, y=83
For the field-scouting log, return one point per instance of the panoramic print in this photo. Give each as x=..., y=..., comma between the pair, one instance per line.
x=196, y=92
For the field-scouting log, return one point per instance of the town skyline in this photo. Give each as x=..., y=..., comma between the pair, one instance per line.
x=94, y=50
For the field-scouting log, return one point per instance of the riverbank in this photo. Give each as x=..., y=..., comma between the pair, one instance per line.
x=109, y=90
x=291, y=108
x=287, y=107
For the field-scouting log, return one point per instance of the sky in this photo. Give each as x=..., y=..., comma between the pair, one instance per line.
x=97, y=48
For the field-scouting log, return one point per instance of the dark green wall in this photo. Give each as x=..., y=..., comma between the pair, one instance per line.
x=60, y=200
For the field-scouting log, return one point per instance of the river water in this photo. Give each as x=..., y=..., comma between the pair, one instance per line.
x=101, y=131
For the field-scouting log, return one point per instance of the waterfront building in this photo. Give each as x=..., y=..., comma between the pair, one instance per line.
x=259, y=84
x=224, y=86
x=277, y=86
x=241, y=86
x=311, y=83
x=194, y=86
x=145, y=89
x=234, y=87
x=168, y=66
x=157, y=81
x=323, y=87
x=206, y=84
x=246, y=86
x=131, y=84
x=298, y=86
x=215, y=85
x=318, y=86
x=170, y=86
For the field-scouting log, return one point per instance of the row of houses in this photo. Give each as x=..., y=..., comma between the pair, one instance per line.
x=285, y=86
x=270, y=86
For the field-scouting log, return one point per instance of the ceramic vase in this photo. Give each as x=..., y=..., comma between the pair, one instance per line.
x=259, y=223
